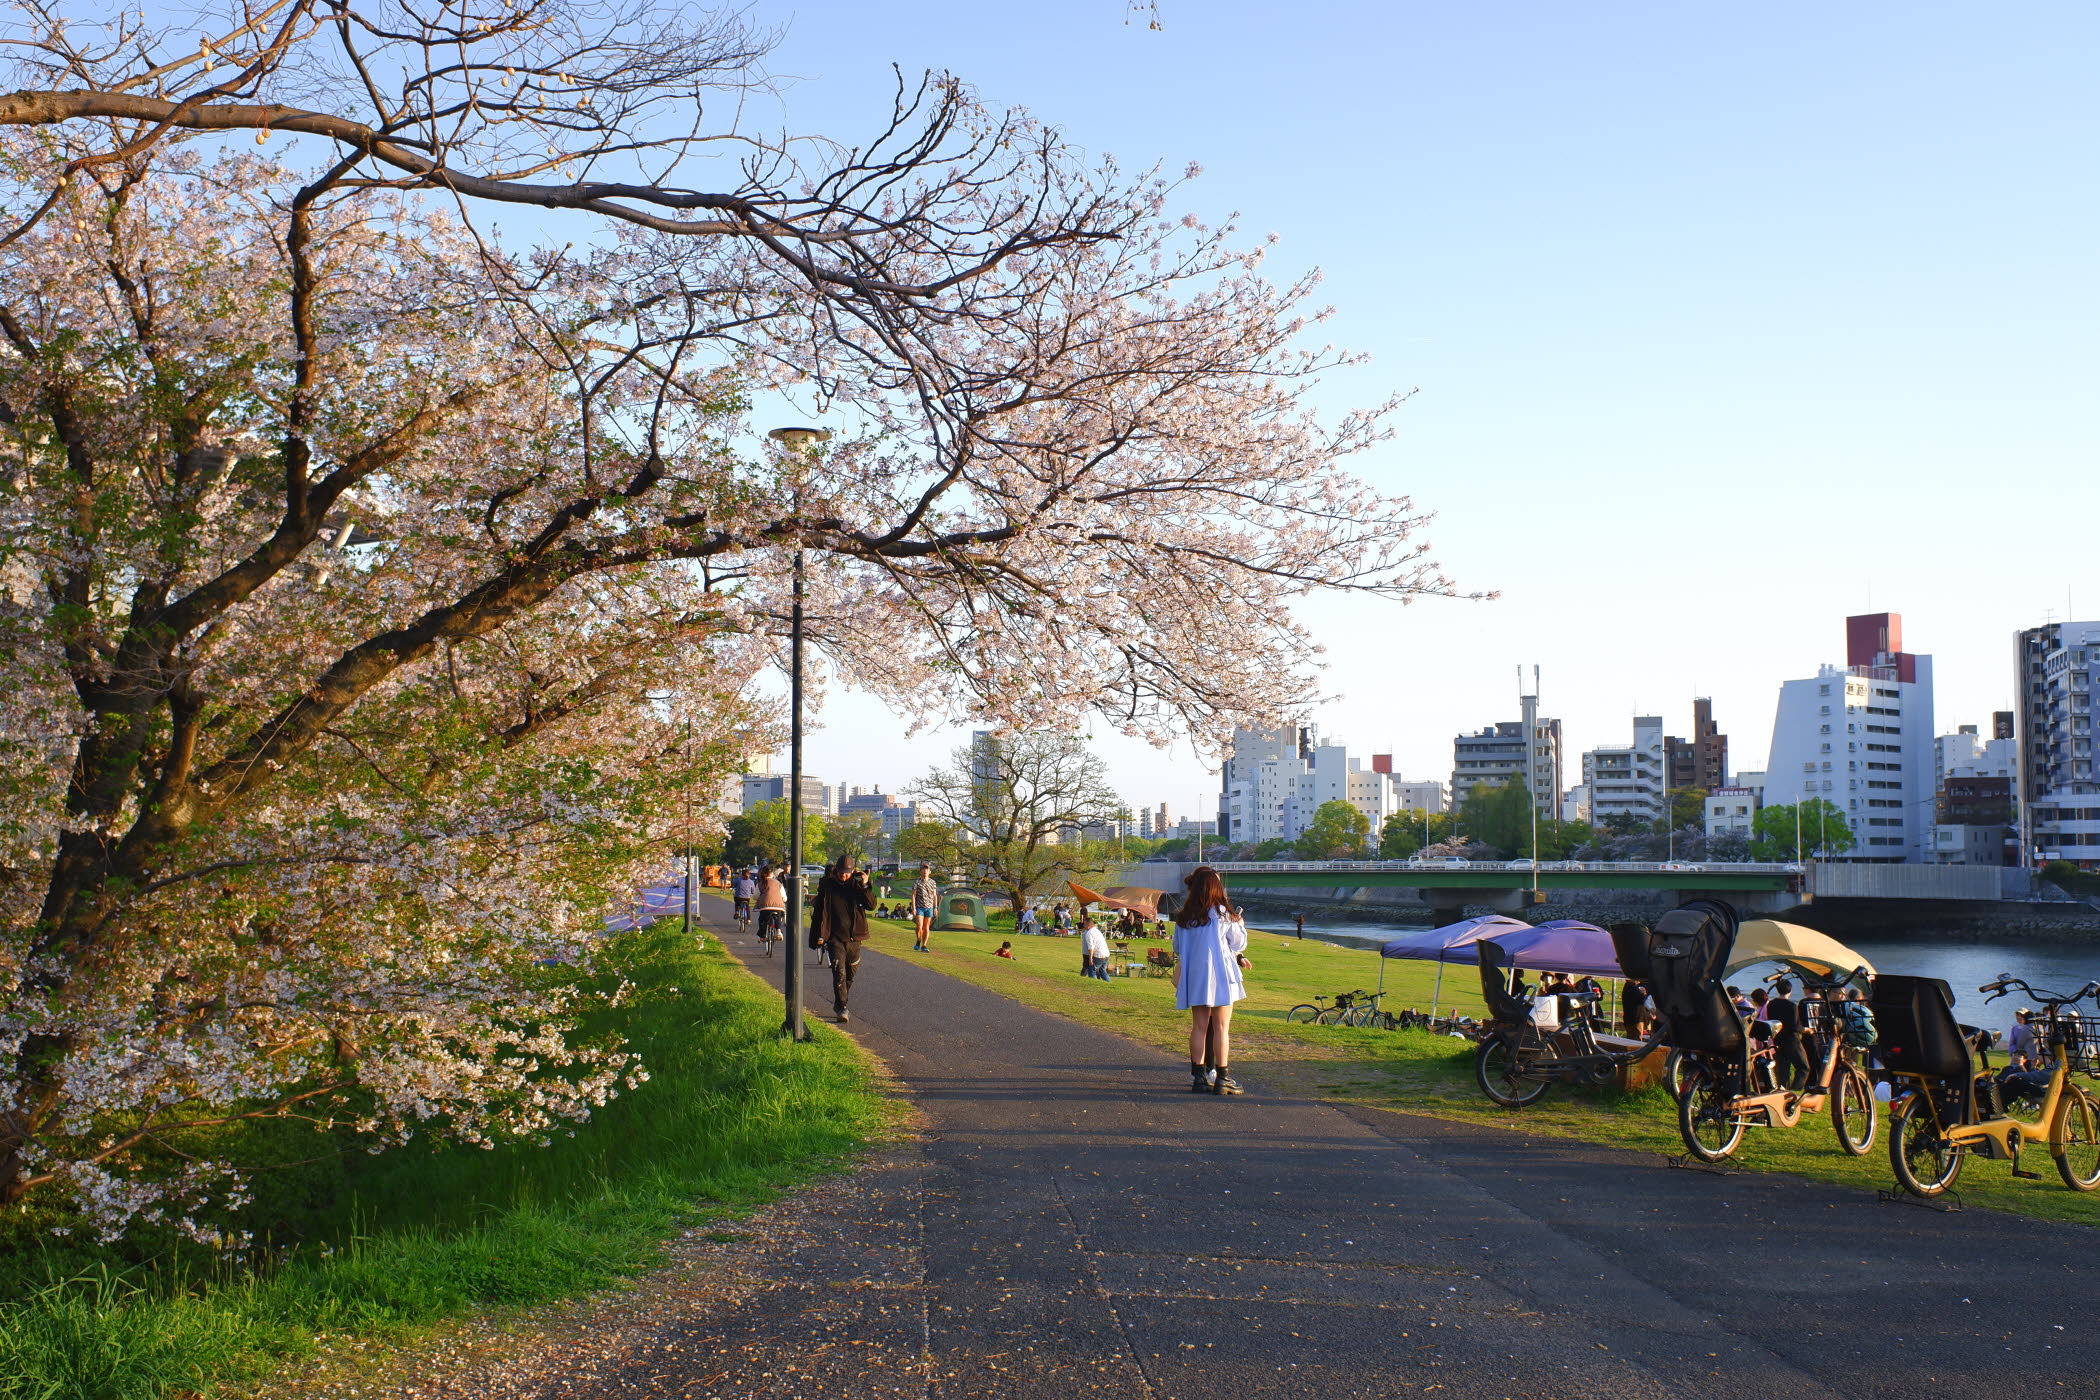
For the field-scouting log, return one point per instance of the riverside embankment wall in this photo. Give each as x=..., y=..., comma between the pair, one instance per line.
x=2070, y=920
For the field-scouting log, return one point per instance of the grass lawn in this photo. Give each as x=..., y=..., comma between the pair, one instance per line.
x=379, y=1246
x=1414, y=1071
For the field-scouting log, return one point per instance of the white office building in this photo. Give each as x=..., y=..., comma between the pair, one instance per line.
x=1405, y=795
x=1629, y=780
x=1860, y=736
x=1731, y=811
x=1260, y=782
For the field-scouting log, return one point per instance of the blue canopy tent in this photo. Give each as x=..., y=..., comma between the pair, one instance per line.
x=1451, y=943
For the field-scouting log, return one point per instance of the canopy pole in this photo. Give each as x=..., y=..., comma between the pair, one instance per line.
x=1437, y=996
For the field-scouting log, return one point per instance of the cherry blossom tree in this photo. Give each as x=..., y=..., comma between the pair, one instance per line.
x=369, y=583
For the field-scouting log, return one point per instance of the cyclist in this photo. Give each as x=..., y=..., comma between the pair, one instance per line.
x=744, y=890
x=772, y=907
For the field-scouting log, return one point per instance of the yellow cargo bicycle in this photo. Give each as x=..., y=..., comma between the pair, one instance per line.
x=1955, y=1108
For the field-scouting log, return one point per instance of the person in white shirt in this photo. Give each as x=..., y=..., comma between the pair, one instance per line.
x=1093, y=952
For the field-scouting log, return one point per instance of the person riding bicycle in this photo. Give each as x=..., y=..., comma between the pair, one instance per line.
x=743, y=889
x=772, y=905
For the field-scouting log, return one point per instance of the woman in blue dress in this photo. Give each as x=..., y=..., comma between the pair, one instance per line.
x=1210, y=953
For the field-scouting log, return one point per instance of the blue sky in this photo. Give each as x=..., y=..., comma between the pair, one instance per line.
x=1725, y=323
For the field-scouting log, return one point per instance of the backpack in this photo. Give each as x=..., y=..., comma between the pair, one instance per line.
x=1858, y=1024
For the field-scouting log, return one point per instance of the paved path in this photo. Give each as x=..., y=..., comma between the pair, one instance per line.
x=1077, y=1223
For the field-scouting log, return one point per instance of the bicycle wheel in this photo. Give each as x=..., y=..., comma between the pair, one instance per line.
x=1496, y=1070
x=1332, y=1016
x=2074, y=1138
x=1706, y=1117
x=1304, y=1011
x=1677, y=1068
x=1854, y=1111
x=1926, y=1164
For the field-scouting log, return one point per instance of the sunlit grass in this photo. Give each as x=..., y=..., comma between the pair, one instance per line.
x=730, y=1116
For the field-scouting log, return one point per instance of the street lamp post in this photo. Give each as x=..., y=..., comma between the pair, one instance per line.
x=799, y=444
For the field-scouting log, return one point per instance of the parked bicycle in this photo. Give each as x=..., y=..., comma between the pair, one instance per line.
x=1362, y=1010
x=1956, y=1107
x=1733, y=1089
x=1528, y=1047
x=1308, y=1011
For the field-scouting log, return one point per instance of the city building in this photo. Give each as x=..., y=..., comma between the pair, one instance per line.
x=1959, y=844
x=883, y=806
x=1860, y=737
x=1575, y=803
x=1707, y=749
x=1629, y=780
x=1752, y=779
x=1260, y=782
x=2056, y=789
x=1401, y=795
x=1731, y=811
x=773, y=787
x=1526, y=752
x=1330, y=775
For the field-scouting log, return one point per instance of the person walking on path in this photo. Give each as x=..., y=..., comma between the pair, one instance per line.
x=925, y=896
x=1210, y=953
x=1093, y=953
x=772, y=907
x=839, y=922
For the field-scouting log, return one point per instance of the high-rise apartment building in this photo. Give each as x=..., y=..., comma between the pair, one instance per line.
x=2057, y=787
x=1260, y=782
x=1708, y=748
x=1629, y=780
x=1526, y=752
x=1860, y=737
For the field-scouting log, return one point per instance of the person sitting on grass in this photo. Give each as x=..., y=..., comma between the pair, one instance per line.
x=1005, y=950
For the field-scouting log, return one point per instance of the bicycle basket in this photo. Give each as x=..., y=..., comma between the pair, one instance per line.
x=2080, y=1038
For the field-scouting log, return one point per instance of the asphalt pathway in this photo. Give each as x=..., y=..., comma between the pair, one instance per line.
x=1076, y=1222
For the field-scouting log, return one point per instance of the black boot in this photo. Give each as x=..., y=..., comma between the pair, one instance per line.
x=1199, y=1078
x=1225, y=1083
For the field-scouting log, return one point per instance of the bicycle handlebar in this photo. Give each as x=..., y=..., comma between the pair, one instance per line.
x=2003, y=984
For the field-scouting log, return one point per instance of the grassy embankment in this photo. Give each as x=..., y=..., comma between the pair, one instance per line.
x=1415, y=1071
x=368, y=1246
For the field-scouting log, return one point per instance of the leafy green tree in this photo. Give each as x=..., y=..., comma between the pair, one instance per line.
x=1275, y=848
x=761, y=834
x=1338, y=830
x=1687, y=809
x=1823, y=829
x=853, y=834
x=1621, y=824
x=1406, y=833
x=1500, y=815
x=927, y=842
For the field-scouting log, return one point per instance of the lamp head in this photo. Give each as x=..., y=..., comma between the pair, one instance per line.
x=800, y=439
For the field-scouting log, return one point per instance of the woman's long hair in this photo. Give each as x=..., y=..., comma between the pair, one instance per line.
x=1205, y=893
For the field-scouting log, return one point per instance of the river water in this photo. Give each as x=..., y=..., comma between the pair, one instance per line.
x=2056, y=967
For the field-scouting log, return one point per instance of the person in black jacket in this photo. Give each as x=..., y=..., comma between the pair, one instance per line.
x=839, y=922
x=1785, y=1015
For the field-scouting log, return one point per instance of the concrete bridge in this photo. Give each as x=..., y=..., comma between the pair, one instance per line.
x=1755, y=889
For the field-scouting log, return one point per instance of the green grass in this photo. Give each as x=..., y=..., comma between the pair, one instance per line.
x=730, y=1116
x=1415, y=1071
